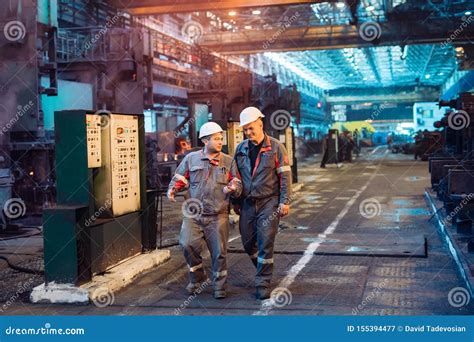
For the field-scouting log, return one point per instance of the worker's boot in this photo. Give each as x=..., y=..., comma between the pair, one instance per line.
x=198, y=287
x=262, y=292
x=220, y=294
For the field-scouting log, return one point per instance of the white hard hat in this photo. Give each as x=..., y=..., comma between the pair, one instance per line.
x=209, y=128
x=250, y=114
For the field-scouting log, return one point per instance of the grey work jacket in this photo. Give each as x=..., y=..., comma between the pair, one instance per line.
x=271, y=175
x=205, y=179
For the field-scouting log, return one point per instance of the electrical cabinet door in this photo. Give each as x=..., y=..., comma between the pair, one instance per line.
x=117, y=184
x=289, y=143
x=94, y=154
x=235, y=135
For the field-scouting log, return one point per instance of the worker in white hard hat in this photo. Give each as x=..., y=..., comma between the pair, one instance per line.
x=211, y=178
x=263, y=165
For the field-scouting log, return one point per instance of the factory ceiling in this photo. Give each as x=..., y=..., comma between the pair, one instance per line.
x=153, y=7
x=334, y=44
x=382, y=66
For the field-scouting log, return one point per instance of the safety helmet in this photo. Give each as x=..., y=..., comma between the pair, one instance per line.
x=250, y=114
x=209, y=128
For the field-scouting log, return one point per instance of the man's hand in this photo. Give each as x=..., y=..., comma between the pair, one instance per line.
x=231, y=187
x=283, y=209
x=236, y=208
x=170, y=195
x=228, y=189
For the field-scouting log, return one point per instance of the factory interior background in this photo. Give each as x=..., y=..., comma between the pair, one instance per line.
x=373, y=100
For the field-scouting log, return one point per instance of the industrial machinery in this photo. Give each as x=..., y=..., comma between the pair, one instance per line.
x=104, y=213
x=452, y=167
x=332, y=146
x=63, y=55
x=28, y=76
x=234, y=136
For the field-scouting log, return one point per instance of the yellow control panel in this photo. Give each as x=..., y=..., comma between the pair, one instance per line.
x=94, y=154
x=289, y=144
x=235, y=135
x=117, y=184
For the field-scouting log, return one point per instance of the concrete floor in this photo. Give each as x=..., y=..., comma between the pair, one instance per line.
x=353, y=244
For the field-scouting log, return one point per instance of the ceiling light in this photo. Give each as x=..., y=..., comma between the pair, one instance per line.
x=427, y=76
x=370, y=8
x=340, y=5
x=256, y=12
x=232, y=13
x=248, y=27
x=441, y=73
x=467, y=13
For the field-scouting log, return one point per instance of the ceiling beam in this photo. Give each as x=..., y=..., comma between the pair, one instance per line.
x=383, y=95
x=331, y=37
x=154, y=7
